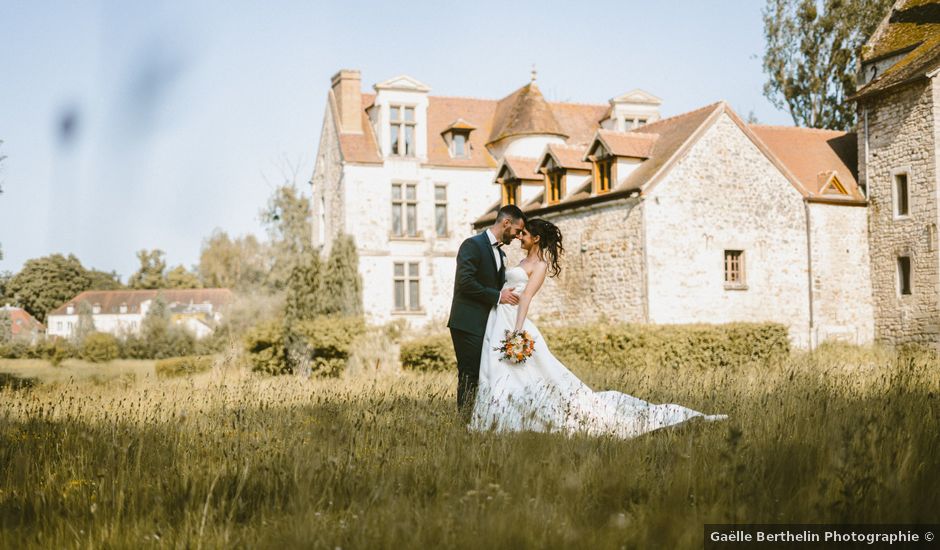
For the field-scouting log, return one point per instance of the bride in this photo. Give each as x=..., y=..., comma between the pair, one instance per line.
x=541, y=394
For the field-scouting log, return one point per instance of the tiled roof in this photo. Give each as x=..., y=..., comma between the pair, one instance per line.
x=21, y=321
x=570, y=157
x=361, y=148
x=912, y=25
x=810, y=153
x=112, y=300
x=628, y=144
x=442, y=112
x=524, y=112
x=523, y=168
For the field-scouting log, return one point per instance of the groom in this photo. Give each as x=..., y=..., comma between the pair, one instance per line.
x=481, y=272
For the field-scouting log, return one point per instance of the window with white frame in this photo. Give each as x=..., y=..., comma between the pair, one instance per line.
x=440, y=209
x=902, y=195
x=459, y=144
x=404, y=210
x=407, y=287
x=401, y=130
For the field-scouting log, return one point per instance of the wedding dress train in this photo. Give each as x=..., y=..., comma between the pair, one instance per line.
x=543, y=395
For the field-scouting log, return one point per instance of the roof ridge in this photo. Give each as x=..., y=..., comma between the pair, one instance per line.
x=673, y=118
x=799, y=128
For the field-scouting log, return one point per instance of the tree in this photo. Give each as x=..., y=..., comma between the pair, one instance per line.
x=46, y=283
x=86, y=322
x=6, y=326
x=287, y=218
x=104, y=280
x=239, y=263
x=179, y=277
x=302, y=300
x=150, y=274
x=6, y=297
x=811, y=56
x=341, y=287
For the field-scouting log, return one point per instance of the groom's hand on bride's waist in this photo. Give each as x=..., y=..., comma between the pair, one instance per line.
x=507, y=296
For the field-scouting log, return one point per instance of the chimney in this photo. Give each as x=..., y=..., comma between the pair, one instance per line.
x=348, y=93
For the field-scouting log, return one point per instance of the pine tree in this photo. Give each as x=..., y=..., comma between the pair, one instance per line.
x=341, y=286
x=302, y=300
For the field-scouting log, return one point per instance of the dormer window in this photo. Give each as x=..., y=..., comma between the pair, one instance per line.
x=554, y=181
x=510, y=193
x=402, y=130
x=603, y=168
x=96, y=309
x=457, y=137
x=458, y=145
x=70, y=309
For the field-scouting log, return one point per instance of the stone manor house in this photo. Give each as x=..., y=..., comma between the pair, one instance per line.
x=698, y=217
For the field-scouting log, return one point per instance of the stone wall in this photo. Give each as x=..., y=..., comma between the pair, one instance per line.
x=725, y=194
x=602, y=270
x=842, y=299
x=901, y=134
x=326, y=185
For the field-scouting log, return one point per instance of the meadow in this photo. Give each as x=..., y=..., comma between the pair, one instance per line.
x=112, y=456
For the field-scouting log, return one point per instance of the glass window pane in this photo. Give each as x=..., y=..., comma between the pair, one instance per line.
x=399, y=295
x=396, y=219
x=399, y=270
x=414, y=302
x=440, y=220
x=412, y=270
x=411, y=192
x=459, y=142
x=409, y=140
x=394, y=138
x=410, y=114
x=440, y=193
x=394, y=113
x=396, y=191
x=412, y=220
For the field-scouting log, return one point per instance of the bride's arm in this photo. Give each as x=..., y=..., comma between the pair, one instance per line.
x=531, y=288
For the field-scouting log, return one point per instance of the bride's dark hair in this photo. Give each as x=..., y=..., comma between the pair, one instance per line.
x=549, y=242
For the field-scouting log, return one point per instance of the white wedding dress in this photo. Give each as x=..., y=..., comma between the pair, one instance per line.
x=542, y=395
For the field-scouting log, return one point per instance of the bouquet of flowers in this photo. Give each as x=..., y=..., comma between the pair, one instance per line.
x=517, y=346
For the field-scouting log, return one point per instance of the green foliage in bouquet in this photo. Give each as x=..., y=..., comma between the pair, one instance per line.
x=183, y=366
x=430, y=353
x=100, y=347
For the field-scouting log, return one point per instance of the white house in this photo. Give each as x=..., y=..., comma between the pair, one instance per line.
x=406, y=173
x=121, y=312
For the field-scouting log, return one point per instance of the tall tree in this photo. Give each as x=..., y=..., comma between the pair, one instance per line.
x=180, y=277
x=287, y=218
x=86, y=322
x=811, y=56
x=240, y=263
x=104, y=280
x=341, y=287
x=6, y=326
x=303, y=297
x=150, y=275
x=6, y=297
x=46, y=283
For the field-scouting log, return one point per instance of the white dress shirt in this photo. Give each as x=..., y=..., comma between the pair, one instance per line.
x=499, y=261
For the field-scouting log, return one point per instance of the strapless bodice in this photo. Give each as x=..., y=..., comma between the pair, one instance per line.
x=516, y=279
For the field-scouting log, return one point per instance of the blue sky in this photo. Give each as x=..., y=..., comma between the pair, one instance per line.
x=131, y=125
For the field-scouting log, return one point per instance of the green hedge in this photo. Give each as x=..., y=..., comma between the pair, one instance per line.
x=319, y=346
x=672, y=346
x=431, y=353
x=601, y=345
x=100, y=347
x=183, y=366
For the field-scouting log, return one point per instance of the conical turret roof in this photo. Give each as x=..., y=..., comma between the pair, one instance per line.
x=524, y=112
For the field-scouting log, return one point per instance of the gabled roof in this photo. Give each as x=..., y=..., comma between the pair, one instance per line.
x=637, y=96
x=813, y=156
x=358, y=148
x=521, y=168
x=624, y=144
x=402, y=82
x=111, y=301
x=21, y=321
x=569, y=157
x=459, y=124
x=911, y=29
x=524, y=112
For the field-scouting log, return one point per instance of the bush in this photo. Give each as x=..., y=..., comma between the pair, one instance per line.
x=322, y=346
x=430, y=353
x=672, y=346
x=100, y=347
x=264, y=344
x=172, y=342
x=183, y=366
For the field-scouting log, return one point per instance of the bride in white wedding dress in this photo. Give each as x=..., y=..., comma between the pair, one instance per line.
x=541, y=394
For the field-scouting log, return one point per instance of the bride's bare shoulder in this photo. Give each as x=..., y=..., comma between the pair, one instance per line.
x=532, y=267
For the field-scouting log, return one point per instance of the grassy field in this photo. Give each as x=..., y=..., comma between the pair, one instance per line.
x=109, y=456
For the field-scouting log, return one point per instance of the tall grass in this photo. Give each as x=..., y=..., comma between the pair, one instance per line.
x=232, y=459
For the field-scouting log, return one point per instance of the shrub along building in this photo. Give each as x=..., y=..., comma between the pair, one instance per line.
x=898, y=131
x=122, y=312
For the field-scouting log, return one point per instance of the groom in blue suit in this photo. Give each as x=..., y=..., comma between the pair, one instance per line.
x=481, y=272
